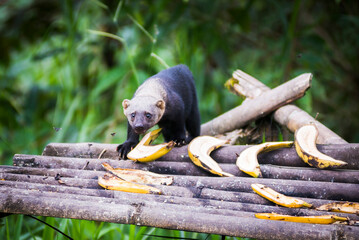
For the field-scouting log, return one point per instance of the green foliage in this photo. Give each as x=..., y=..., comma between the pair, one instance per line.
x=65, y=67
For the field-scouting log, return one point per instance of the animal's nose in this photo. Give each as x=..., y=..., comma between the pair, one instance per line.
x=139, y=128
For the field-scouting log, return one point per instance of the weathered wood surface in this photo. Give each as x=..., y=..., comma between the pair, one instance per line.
x=253, y=109
x=289, y=115
x=63, y=183
x=187, y=168
x=227, y=154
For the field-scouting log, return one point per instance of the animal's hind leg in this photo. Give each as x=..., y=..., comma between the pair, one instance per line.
x=193, y=124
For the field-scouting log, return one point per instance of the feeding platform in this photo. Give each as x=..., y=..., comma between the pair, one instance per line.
x=62, y=182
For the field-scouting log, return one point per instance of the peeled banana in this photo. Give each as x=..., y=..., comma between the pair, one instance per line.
x=151, y=136
x=199, y=150
x=305, y=145
x=344, y=207
x=323, y=219
x=139, y=176
x=144, y=152
x=279, y=198
x=247, y=161
x=111, y=182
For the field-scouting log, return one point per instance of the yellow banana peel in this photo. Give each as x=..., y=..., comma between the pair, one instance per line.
x=199, y=150
x=344, y=207
x=323, y=219
x=247, y=161
x=111, y=182
x=279, y=198
x=150, y=137
x=144, y=152
x=139, y=176
x=305, y=145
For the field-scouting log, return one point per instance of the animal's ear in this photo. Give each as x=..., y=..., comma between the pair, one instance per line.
x=161, y=104
x=125, y=103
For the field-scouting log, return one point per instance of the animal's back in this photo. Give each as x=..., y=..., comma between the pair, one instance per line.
x=179, y=80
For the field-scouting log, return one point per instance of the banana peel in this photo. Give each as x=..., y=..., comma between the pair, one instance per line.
x=199, y=150
x=111, y=182
x=279, y=198
x=150, y=137
x=344, y=207
x=323, y=219
x=305, y=145
x=144, y=152
x=139, y=176
x=247, y=161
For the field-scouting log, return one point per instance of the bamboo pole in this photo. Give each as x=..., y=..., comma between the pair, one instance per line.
x=290, y=116
x=253, y=109
x=227, y=154
x=153, y=216
x=192, y=186
x=174, y=203
x=268, y=171
x=250, y=202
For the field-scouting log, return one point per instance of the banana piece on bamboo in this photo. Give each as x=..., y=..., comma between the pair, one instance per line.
x=305, y=145
x=323, y=219
x=199, y=150
x=151, y=136
x=279, y=198
x=139, y=176
x=344, y=207
x=144, y=152
x=111, y=182
x=247, y=161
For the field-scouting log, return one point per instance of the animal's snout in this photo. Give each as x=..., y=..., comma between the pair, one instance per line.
x=139, y=129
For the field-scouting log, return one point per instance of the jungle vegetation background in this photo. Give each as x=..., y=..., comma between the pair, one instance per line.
x=60, y=82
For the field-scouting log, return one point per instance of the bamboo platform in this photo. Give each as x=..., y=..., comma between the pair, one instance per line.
x=62, y=182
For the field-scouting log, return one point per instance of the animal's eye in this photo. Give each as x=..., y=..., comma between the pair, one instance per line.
x=133, y=115
x=148, y=115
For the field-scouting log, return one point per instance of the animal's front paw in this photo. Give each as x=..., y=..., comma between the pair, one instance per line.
x=179, y=142
x=124, y=148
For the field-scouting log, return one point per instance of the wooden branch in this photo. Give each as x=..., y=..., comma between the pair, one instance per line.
x=227, y=154
x=188, y=168
x=141, y=214
x=321, y=190
x=253, y=109
x=175, y=203
x=290, y=116
x=254, y=203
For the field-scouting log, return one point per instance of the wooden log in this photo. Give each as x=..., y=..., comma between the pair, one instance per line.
x=258, y=107
x=227, y=154
x=268, y=171
x=81, y=150
x=193, y=186
x=136, y=199
x=290, y=116
x=40, y=190
x=175, y=203
x=261, y=205
x=181, y=220
x=297, y=188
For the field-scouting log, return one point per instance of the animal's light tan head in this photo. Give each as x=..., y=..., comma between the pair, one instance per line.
x=143, y=112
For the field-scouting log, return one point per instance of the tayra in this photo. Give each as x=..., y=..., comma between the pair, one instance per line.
x=168, y=99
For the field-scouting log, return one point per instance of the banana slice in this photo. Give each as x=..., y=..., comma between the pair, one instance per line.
x=279, y=198
x=144, y=152
x=323, y=219
x=199, y=150
x=305, y=138
x=111, y=182
x=139, y=176
x=150, y=137
x=247, y=161
x=344, y=207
